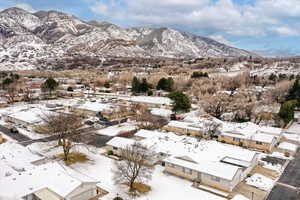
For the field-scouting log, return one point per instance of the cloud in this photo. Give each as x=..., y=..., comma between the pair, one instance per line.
x=286, y=31
x=26, y=7
x=209, y=17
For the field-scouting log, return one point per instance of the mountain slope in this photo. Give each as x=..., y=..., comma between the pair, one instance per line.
x=27, y=39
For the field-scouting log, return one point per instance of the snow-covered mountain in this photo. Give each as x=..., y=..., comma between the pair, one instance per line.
x=31, y=39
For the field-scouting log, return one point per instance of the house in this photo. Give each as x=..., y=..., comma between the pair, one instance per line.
x=117, y=144
x=120, y=129
x=28, y=116
x=250, y=135
x=153, y=102
x=207, y=163
x=184, y=128
x=49, y=181
x=287, y=148
x=166, y=113
x=217, y=175
x=110, y=111
x=91, y=108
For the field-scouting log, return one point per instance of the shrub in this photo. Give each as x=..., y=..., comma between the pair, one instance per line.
x=287, y=154
x=117, y=198
x=107, y=84
x=70, y=89
x=110, y=153
x=149, y=93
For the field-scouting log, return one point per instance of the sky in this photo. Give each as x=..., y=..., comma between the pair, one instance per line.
x=256, y=25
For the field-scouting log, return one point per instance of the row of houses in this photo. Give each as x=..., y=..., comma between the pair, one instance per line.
x=248, y=135
x=206, y=163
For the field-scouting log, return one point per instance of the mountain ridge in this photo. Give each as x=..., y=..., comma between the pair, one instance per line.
x=27, y=37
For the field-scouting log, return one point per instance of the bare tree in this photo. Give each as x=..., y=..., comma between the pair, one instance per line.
x=216, y=105
x=65, y=127
x=211, y=127
x=133, y=168
x=280, y=90
x=232, y=84
x=11, y=92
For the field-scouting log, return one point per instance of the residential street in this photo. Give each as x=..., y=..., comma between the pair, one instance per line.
x=287, y=187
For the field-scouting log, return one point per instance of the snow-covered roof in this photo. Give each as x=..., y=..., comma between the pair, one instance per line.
x=31, y=116
x=17, y=157
x=149, y=134
x=94, y=106
x=161, y=112
x=117, y=129
x=151, y=100
x=221, y=170
x=292, y=137
x=185, y=125
x=251, y=131
x=287, y=146
x=120, y=142
x=295, y=128
x=175, y=145
x=61, y=180
x=260, y=137
x=270, y=130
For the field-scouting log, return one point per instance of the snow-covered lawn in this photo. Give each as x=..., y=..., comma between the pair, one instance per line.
x=239, y=197
x=260, y=181
x=276, y=167
x=163, y=186
x=31, y=134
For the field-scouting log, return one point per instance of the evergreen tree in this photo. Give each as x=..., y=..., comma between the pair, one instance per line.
x=162, y=83
x=181, y=101
x=294, y=92
x=135, y=85
x=144, y=86
x=170, y=84
x=286, y=112
x=50, y=85
x=165, y=84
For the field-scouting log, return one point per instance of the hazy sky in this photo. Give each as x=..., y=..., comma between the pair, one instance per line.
x=271, y=25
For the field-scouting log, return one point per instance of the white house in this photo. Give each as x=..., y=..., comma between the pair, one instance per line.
x=49, y=181
x=250, y=135
x=215, y=174
x=152, y=101
x=209, y=163
x=28, y=116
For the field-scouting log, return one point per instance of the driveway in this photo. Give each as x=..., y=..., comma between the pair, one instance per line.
x=16, y=136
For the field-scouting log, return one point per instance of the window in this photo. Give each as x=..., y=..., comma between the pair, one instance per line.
x=183, y=170
x=236, y=139
x=260, y=143
x=214, y=178
x=115, y=148
x=190, y=171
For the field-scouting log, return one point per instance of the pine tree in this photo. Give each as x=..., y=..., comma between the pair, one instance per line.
x=135, y=85
x=181, y=101
x=294, y=92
